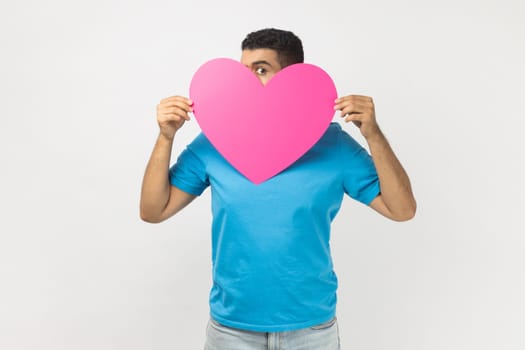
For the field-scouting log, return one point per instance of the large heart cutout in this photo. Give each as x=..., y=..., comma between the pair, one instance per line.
x=262, y=129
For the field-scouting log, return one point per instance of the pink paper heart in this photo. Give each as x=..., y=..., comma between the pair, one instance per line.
x=262, y=129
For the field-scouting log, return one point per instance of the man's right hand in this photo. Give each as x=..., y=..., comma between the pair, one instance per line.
x=172, y=112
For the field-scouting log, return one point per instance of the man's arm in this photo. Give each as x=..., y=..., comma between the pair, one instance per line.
x=159, y=200
x=396, y=200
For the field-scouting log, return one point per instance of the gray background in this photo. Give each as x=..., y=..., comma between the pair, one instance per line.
x=79, y=83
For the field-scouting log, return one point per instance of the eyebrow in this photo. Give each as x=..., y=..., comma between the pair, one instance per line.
x=261, y=62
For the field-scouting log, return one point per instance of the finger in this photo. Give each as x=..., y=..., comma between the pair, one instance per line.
x=177, y=98
x=356, y=107
x=179, y=114
x=175, y=111
x=343, y=104
x=178, y=104
x=351, y=116
x=351, y=109
x=355, y=118
x=350, y=103
x=340, y=102
x=355, y=99
x=185, y=106
x=167, y=118
x=344, y=98
x=361, y=97
x=174, y=98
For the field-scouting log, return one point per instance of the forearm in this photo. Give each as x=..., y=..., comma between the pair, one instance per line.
x=155, y=186
x=396, y=191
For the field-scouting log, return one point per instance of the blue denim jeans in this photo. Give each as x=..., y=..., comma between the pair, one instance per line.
x=321, y=337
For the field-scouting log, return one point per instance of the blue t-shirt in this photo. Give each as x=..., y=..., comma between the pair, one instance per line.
x=271, y=263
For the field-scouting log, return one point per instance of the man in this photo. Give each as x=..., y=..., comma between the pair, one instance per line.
x=273, y=279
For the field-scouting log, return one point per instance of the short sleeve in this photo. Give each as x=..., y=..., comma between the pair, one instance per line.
x=360, y=176
x=189, y=173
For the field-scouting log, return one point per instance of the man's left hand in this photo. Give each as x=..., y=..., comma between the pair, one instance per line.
x=359, y=110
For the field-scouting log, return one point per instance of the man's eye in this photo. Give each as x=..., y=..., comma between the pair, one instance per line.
x=260, y=71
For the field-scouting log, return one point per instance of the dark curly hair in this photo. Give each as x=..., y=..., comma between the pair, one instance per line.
x=287, y=45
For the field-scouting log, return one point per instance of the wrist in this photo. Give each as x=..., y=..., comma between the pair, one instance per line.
x=375, y=136
x=166, y=138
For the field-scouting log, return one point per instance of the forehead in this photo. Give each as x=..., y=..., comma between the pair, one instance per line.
x=248, y=57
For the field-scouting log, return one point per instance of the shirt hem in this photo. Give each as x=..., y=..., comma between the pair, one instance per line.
x=271, y=328
x=188, y=189
x=370, y=195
